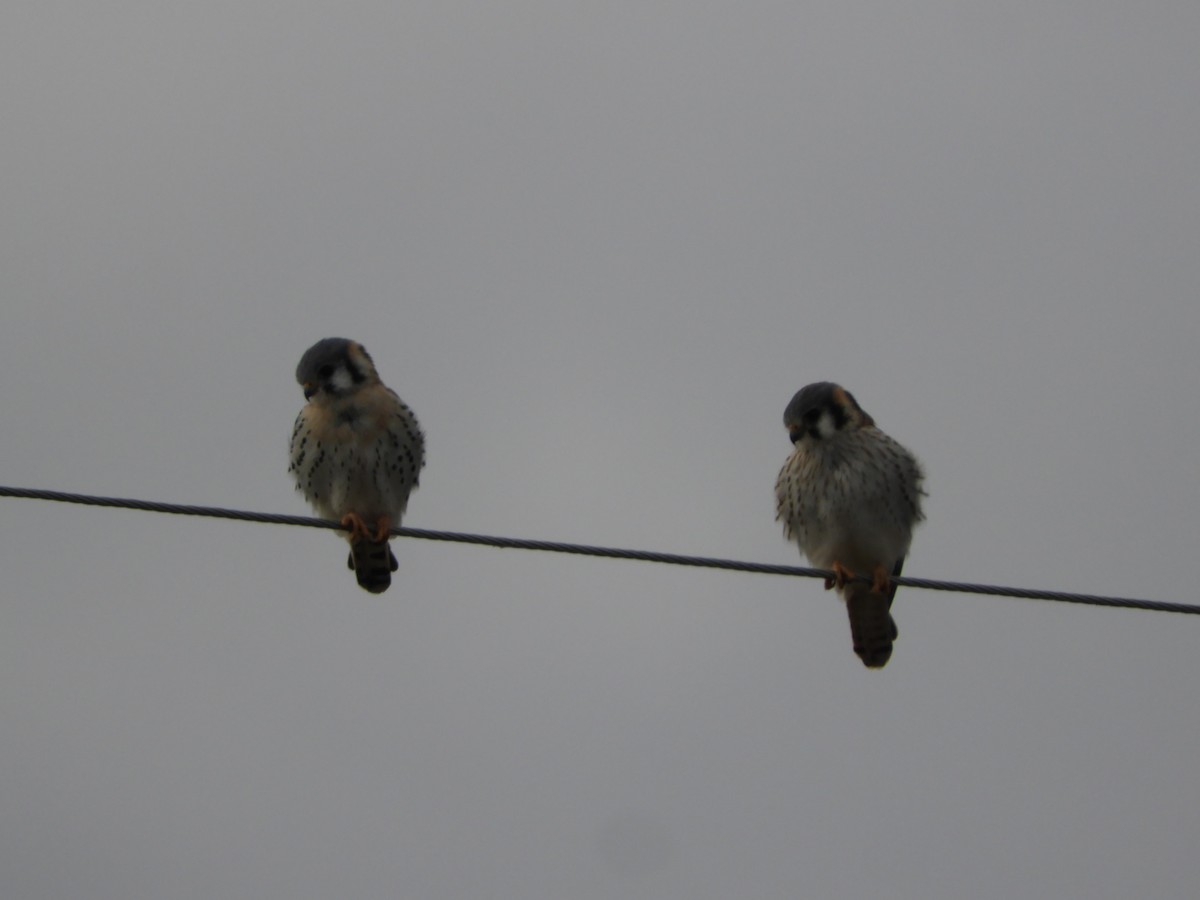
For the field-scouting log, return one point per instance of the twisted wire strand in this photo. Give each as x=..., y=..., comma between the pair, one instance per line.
x=673, y=559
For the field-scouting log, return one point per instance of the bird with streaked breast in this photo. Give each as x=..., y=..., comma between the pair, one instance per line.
x=356, y=453
x=850, y=495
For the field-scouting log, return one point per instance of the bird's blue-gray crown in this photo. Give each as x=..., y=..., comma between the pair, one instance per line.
x=334, y=365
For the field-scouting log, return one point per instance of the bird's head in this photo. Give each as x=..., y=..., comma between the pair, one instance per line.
x=821, y=410
x=335, y=367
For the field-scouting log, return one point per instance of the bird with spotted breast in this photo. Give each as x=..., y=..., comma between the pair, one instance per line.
x=850, y=496
x=356, y=453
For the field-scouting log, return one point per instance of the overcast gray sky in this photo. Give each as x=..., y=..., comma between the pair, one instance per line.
x=597, y=247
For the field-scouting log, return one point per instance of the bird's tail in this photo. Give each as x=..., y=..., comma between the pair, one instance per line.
x=871, y=625
x=373, y=564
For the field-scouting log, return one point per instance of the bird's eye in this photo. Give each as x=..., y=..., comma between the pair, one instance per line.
x=812, y=415
x=325, y=371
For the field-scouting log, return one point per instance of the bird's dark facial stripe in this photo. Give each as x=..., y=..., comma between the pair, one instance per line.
x=838, y=412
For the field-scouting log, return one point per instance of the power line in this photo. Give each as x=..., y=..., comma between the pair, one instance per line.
x=673, y=559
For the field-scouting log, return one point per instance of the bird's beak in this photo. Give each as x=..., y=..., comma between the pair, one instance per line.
x=309, y=390
x=795, y=432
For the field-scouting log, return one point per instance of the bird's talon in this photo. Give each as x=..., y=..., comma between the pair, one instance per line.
x=358, y=528
x=841, y=575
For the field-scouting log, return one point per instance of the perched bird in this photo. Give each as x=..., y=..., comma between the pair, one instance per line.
x=356, y=452
x=849, y=495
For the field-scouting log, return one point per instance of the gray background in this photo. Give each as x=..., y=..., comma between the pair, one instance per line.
x=597, y=248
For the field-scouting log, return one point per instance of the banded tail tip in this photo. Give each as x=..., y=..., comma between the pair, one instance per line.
x=872, y=628
x=373, y=563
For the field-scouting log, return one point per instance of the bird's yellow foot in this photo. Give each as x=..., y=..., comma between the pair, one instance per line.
x=881, y=582
x=358, y=528
x=383, y=530
x=840, y=576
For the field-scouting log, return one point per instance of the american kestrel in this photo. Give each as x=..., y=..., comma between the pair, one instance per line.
x=356, y=453
x=849, y=495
